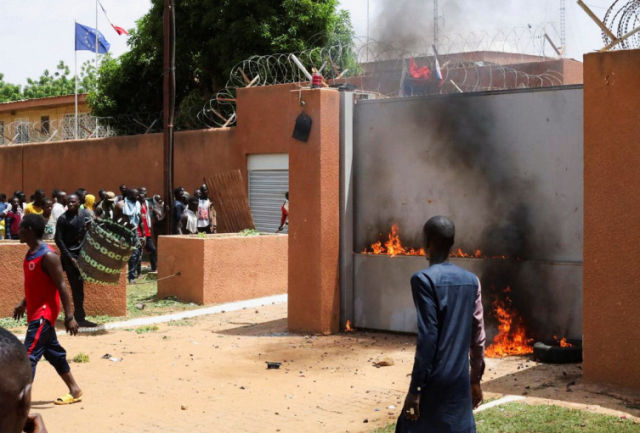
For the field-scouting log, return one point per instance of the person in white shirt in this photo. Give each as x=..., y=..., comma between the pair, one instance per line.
x=206, y=212
x=50, y=223
x=189, y=221
x=59, y=207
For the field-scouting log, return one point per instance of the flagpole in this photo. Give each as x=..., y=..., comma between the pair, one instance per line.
x=96, y=37
x=76, y=75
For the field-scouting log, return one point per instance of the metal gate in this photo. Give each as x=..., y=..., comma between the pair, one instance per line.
x=266, y=196
x=404, y=160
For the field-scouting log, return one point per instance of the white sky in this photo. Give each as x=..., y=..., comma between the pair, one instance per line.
x=36, y=34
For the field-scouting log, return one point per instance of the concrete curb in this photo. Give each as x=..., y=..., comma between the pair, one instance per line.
x=592, y=408
x=151, y=320
x=500, y=401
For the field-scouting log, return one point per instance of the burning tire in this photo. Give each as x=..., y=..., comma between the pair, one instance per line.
x=551, y=352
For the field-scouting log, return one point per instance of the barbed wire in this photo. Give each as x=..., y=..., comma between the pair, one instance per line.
x=370, y=65
x=22, y=131
x=621, y=19
x=364, y=61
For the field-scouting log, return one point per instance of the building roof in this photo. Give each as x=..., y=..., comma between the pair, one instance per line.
x=49, y=102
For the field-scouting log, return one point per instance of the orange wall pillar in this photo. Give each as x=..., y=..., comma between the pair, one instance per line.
x=611, y=218
x=314, y=231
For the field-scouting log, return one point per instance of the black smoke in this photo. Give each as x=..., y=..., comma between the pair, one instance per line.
x=465, y=141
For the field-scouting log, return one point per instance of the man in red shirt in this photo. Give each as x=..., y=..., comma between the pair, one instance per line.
x=44, y=287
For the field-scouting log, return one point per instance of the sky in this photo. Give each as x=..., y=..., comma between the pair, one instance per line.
x=36, y=34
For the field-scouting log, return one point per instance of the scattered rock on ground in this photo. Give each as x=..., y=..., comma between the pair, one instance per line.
x=386, y=362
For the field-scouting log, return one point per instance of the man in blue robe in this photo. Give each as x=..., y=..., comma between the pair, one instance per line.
x=451, y=338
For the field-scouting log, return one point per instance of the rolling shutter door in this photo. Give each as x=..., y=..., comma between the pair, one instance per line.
x=266, y=196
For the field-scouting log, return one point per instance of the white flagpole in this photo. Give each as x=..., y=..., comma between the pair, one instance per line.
x=96, y=36
x=76, y=73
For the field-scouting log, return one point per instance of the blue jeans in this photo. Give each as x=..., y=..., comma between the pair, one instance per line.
x=136, y=258
x=133, y=263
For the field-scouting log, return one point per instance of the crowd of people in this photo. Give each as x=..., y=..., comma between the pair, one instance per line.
x=66, y=217
x=105, y=205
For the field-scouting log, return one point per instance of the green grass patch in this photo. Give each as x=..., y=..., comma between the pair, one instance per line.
x=81, y=358
x=146, y=294
x=524, y=418
x=184, y=322
x=390, y=428
x=146, y=329
x=250, y=232
x=10, y=322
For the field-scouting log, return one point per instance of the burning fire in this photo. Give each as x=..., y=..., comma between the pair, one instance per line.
x=512, y=337
x=348, y=327
x=393, y=247
x=563, y=342
x=460, y=253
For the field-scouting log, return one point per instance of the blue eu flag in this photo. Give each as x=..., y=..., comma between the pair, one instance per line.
x=86, y=40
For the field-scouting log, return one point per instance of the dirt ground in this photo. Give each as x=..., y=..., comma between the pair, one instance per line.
x=209, y=375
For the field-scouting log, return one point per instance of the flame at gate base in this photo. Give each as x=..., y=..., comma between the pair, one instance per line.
x=348, y=327
x=512, y=337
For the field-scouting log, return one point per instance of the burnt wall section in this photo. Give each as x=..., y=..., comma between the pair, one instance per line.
x=611, y=218
x=506, y=167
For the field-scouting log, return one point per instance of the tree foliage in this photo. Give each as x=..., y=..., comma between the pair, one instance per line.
x=61, y=82
x=211, y=37
x=8, y=91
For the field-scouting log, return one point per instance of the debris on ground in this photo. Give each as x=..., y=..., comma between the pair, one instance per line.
x=386, y=362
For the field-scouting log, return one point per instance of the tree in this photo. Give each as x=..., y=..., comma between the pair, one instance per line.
x=211, y=37
x=59, y=83
x=8, y=91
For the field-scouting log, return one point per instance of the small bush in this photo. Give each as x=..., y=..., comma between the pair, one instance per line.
x=81, y=358
x=145, y=329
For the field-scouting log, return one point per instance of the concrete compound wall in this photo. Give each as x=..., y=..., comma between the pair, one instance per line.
x=99, y=300
x=264, y=127
x=222, y=268
x=611, y=227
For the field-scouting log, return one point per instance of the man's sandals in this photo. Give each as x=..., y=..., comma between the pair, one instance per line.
x=67, y=399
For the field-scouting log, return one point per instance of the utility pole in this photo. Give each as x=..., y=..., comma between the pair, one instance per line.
x=368, y=30
x=562, y=23
x=169, y=102
x=435, y=23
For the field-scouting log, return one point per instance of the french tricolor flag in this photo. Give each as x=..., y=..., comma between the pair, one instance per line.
x=118, y=30
x=438, y=71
